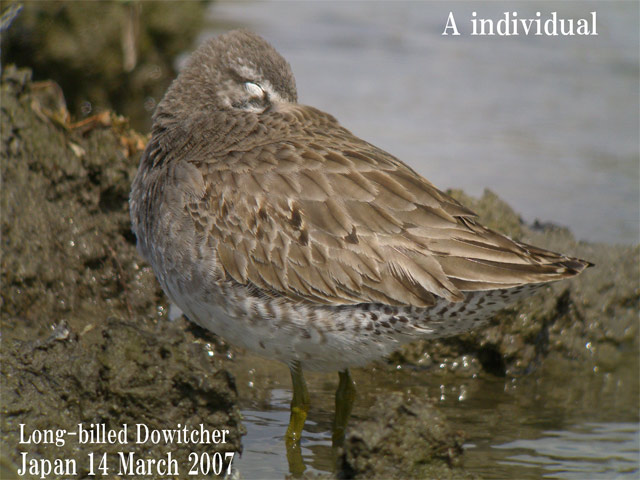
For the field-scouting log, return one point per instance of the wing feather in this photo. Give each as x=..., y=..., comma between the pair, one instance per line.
x=338, y=221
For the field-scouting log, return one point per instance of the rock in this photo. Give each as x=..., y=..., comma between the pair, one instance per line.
x=405, y=437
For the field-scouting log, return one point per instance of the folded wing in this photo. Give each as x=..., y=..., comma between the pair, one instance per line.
x=338, y=221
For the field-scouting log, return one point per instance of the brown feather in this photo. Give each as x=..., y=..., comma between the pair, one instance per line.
x=339, y=221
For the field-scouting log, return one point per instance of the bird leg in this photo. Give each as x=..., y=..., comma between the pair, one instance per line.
x=345, y=395
x=299, y=404
x=299, y=409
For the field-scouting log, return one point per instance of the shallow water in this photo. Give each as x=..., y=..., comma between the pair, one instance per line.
x=594, y=450
x=549, y=124
x=558, y=422
x=544, y=425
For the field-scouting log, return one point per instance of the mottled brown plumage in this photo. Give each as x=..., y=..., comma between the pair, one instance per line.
x=270, y=224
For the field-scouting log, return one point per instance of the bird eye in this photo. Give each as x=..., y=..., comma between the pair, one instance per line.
x=254, y=89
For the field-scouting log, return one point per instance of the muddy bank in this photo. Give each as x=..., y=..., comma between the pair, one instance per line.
x=85, y=337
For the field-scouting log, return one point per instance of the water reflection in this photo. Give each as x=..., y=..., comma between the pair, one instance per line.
x=264, y=454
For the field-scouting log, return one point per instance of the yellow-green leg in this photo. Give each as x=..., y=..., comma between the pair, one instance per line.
x=299, y=409
x=345, y=395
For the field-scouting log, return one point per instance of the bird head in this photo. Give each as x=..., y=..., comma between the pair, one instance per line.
x=236, y=71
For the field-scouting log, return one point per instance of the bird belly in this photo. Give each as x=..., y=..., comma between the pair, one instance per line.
x=322, y=339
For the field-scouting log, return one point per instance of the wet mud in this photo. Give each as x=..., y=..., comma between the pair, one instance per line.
x=404, y=438
x=85, y=338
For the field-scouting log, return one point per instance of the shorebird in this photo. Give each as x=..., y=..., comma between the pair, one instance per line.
x=273, y=226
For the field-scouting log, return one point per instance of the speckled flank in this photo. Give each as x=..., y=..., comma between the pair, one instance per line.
x=328, y=338
x=270, y=224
